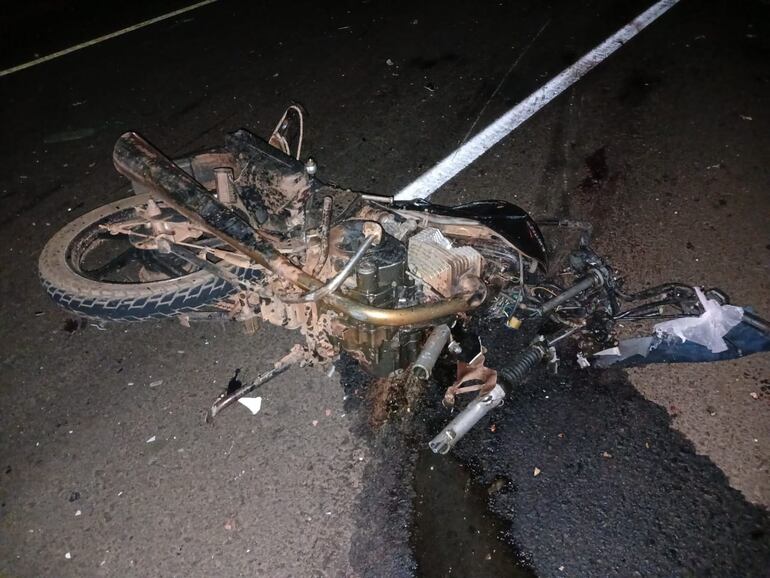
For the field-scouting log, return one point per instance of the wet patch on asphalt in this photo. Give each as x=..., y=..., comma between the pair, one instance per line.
x=453, y=531
x=588, y=479
x=380, y=544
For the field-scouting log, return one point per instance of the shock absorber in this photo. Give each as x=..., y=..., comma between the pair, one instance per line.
x=512, y=374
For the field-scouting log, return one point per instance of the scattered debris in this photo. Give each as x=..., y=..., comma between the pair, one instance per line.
x=156, y=383
x=78, y=513
x=315, y=422
x=707, y=329
x=74, y=496
x=69, y=135
x=150, y=440
x=536, y=472
x=754, y=395
x=68, y=556
x=745, y=117
x=496, y=486
x=582, y=361
x=389, y=62
x=606, y=455
x=254, y=404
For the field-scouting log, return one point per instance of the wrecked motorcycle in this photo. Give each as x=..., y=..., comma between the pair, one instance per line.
x=247, y=231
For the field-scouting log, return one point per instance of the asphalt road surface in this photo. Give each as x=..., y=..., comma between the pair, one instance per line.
x=664, y=148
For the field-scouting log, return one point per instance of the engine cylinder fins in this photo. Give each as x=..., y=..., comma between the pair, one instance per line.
x=434, y=259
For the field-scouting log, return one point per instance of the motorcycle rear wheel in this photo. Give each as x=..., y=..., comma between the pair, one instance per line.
x=170, y=287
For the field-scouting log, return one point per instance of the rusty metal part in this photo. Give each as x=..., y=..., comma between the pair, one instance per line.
x=474, y=287
x=224, y=178
x=326, y=221
x=279, y=139
x=437, y=340
x=227, y=399
x=473, y=376
x=461, y=228
x=139, y=161
x=208, y=266
x=385, y=200
x=179, y=232
x=337, y=281
x=174, y=232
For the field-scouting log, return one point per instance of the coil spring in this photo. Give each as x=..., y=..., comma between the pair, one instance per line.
x=521, y=365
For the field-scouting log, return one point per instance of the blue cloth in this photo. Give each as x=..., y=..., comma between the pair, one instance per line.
x=742, y=340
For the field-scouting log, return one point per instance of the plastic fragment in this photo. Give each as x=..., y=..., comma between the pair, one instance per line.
x=709, y=328
x=254, y=404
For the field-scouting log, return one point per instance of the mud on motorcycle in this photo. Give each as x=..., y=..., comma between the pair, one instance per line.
x=247, y=230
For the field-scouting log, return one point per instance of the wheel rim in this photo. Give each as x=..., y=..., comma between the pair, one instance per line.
x=100, y=256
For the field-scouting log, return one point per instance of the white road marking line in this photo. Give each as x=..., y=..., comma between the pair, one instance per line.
x=428, y=182
x=492, y=96
x=71, y=49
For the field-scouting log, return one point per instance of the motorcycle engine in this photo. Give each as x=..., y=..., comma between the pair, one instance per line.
x=421, y=267
x=382, y=280
x=411, y=263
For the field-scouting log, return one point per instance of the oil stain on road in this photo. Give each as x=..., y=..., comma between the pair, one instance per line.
x=581, y=476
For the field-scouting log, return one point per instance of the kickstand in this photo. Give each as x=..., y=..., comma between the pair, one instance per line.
x=294, y=356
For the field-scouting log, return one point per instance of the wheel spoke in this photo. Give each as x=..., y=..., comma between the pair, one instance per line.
x=117, y=263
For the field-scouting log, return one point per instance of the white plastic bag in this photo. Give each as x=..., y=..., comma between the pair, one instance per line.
x=708, y=329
